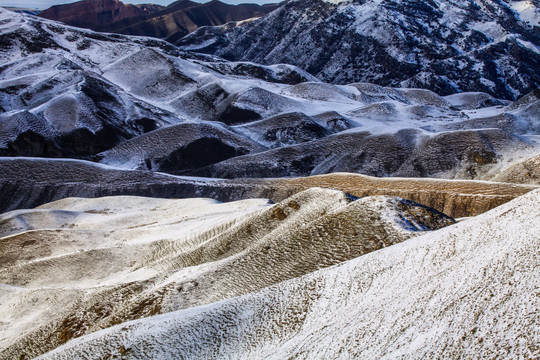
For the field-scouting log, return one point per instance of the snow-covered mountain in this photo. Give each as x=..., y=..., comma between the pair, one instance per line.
x=139, y=103
x=446, y=46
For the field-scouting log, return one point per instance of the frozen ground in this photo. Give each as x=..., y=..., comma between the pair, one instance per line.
x=431, y=296
x=88, y=264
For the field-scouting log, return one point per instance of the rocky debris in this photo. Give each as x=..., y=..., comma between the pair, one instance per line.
x=333, y=121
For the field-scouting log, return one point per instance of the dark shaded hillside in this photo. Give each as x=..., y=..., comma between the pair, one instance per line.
x=172, y=22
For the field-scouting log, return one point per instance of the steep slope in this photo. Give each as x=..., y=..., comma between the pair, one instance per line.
x=26, y=183
x=159, y=263
x=410, y=153
x=432, y=296
x=172, y=22
x=283, y=130
x=446, y=46
x=179, y=147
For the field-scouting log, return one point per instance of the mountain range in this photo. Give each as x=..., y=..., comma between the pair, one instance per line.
x=164, y=201
x=445, y=46
x=143, y=104
x=168, y=22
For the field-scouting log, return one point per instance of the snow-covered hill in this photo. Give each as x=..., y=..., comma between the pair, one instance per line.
x=491, y=46
x=468, y=290
x=67, y=92
x=95, y=263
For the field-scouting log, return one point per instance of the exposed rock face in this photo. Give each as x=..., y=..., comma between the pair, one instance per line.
x=237, y=253
x=461, y=291
x=26, y=183
x=172, y=22
x=445, y=46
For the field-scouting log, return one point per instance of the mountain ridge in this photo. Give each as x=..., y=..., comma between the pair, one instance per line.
x=444, y=46
x=171, y=22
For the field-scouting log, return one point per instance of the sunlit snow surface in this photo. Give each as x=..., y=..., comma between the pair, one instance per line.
x=468, y=290
x=527, y=11
x=152, y=256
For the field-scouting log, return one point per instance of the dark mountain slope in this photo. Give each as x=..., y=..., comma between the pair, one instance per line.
x=94, y=14
x=172, y=22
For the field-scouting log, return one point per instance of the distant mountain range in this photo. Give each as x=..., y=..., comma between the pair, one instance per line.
x=172, y=22
x=446, y=46
x=490, y=46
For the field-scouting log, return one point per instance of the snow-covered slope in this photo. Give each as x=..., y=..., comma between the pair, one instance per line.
x=140, y=103
x=525, y=172
x=491, y=46
x=180, y=147
x=466, y=291
x=90, y=264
